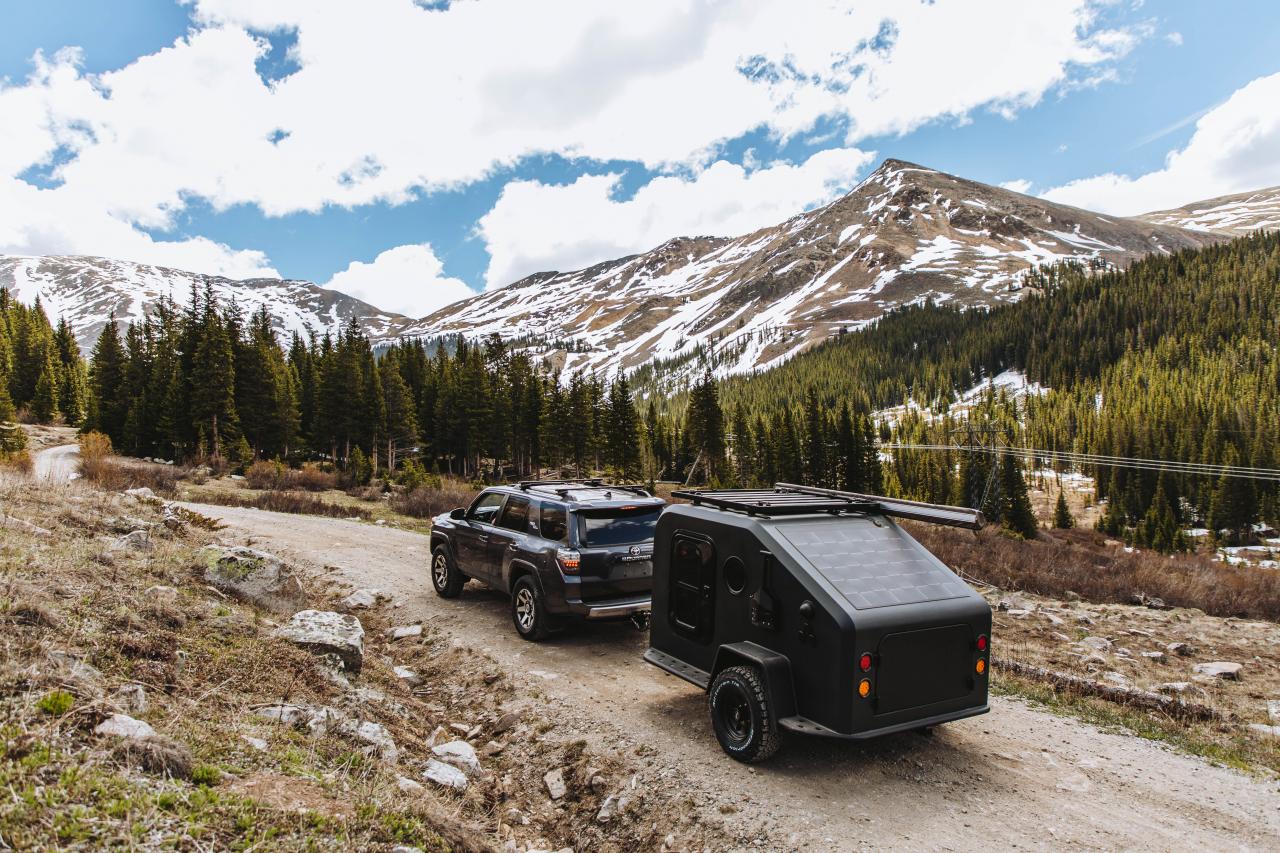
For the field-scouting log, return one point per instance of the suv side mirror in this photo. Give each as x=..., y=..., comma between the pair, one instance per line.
x=458, y=514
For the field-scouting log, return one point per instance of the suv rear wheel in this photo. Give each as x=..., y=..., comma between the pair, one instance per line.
x=529, y=610
x=445, y=576
x=740, y=715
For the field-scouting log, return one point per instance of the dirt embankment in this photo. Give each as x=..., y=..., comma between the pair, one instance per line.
x=1020, y=776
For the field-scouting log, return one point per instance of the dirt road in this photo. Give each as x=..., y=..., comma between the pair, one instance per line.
x=1018, y=777
x=57, y=464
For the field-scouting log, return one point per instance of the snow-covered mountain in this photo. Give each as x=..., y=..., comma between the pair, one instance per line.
x=905, y=234
x=85, y=290
x=1229, y=214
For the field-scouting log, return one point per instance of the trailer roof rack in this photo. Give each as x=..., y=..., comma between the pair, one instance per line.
x=791, y=499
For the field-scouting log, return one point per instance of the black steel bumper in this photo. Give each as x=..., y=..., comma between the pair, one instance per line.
x=809, y=727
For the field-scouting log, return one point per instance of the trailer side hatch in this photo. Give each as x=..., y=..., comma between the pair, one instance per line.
x=916, y=668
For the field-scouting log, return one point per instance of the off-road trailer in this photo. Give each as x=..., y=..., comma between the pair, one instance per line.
x=812, y=610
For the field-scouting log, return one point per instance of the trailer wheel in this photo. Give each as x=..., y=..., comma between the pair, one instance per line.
x=445, y=576
x=529, y=610
x=740, y=715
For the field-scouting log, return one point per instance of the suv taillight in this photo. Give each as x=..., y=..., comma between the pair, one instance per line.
x=569, y=560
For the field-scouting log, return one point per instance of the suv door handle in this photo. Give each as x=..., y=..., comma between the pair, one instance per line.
x=513, y=547
x=482, y=539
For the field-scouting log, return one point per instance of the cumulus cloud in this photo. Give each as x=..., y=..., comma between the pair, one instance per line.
x=390, y=97
x=407, y=279
x=536, y=226
x=1235, y=147
x=1019, y=185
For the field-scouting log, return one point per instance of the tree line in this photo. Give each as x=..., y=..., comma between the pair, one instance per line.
x=42, y=375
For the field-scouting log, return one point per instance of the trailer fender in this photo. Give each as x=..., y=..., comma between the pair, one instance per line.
x=774, y=668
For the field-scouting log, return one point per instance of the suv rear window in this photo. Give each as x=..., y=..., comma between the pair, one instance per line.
x=555, y=522
x=601, y=528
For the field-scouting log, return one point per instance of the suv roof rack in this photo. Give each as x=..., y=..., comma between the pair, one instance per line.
x=562, y=488
x=791, y=499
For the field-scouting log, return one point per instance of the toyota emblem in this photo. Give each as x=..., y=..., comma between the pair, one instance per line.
x=635, y=550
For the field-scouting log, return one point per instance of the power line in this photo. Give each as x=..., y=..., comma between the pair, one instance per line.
x=1105, y=461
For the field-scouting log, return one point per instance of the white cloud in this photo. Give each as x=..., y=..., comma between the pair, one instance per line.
x=390, y=97
x=1235, y=147
x=536, y=226
x=407, y=279
x=1019, y=185
x=1174, y=38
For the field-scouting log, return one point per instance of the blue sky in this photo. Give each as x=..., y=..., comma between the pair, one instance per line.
x=265, y=140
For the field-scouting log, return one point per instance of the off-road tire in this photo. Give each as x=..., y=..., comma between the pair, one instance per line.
x=740, y=715
x=529, y=610
x=447, y=579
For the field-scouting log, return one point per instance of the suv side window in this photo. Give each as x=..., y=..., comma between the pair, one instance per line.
x=485, y=509
x=555, y=522
x=515, y=515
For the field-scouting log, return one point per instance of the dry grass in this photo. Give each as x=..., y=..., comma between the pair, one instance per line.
x=1080, y=562
x=299, y=503
x=428, y=502
x=98, y=466
x=276, y=475
x=18, y=461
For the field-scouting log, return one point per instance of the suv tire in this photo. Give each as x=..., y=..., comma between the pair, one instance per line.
x=529, y=610
x=740, y=715
x=445, y=576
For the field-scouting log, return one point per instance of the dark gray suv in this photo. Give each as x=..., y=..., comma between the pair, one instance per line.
x=560, y=548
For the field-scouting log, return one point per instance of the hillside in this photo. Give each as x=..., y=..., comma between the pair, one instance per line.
x=85, y=290
x=1236, y=214
x=905, y=234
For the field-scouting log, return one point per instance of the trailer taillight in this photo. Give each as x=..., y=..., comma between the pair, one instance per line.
x=864, y=662
x=982, y=642
x=981, y=666
x=864, y=688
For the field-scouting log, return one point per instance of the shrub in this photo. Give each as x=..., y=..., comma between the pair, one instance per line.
x=17, y=460
x=299, y=503
x=426, y=502
x=55, y=703
x=312, y=478
x=264, y=474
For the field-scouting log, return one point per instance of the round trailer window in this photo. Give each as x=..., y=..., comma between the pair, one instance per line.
x=735, y=575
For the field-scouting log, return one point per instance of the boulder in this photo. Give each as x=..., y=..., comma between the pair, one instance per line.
x=362, y=599
x=555, y=784
x=122, y=725
x=325, y=632
x=254, y=576
x=444, y=775
x=401, y=632
x=376, y=735
x=1100, y=644
x=460, y=754
x=1219, y=669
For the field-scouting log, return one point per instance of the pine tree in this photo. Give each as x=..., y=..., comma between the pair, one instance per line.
x=212, y=382
x=401, y=425
x=622, y=436
x=1233, y=507
x=44, y=406
x=815, y=441
x=1015, y=510
x=107, y=382
x=1061, y=514
x=704, y=425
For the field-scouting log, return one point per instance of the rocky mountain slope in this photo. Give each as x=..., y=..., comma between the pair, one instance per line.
x=1229, y=214
x=905, y=234
x=85, y=290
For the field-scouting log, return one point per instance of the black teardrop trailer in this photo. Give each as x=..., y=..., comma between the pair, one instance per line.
x=812, y=610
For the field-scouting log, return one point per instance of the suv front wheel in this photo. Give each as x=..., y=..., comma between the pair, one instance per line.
x=445, y=576
x=529, y=610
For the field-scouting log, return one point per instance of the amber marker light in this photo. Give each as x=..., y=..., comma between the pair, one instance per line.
x=864, y=688
x=980, y=666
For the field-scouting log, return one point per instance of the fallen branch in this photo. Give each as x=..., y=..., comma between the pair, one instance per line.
x=1144, y=699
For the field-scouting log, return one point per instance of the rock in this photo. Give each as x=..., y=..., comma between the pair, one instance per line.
x=254, y=576
x=135, y=540
x=1219, y=669
x=614, y=805
x=131, y=698
x=1094, y=659
x=1138, y=632
x=1117, y=679
x=493, y=747
x=1185, y=650
x=1156, y=657
x=444, y=775
x=1273, y=710
x=159, y=755
x=1172, y=687
x=402, y=632
x=1053, y=620
x=1083, y=619
x=405, y=848
x=1262, y=728
x=141, y=492
x=362, y=599
x=1101, y=644
x=460, y=728
x=72, y=671
x=161, y=595
x=407, y=675
x=555, y=784
x=122, y=725
x=506, y=722
x=255, y=742
x=599, y=783
x=326, y=632
x=408, y=786
x=290, y=715
x=376, y=735
x=460, y=754
x=1019, y=612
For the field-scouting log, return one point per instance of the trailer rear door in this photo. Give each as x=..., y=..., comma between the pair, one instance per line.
x=917, y=668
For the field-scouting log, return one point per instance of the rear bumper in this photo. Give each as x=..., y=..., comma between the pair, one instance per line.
x=809, y=727
x=618, y=608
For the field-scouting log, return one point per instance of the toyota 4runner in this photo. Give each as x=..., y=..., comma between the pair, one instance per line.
x=576, y=548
